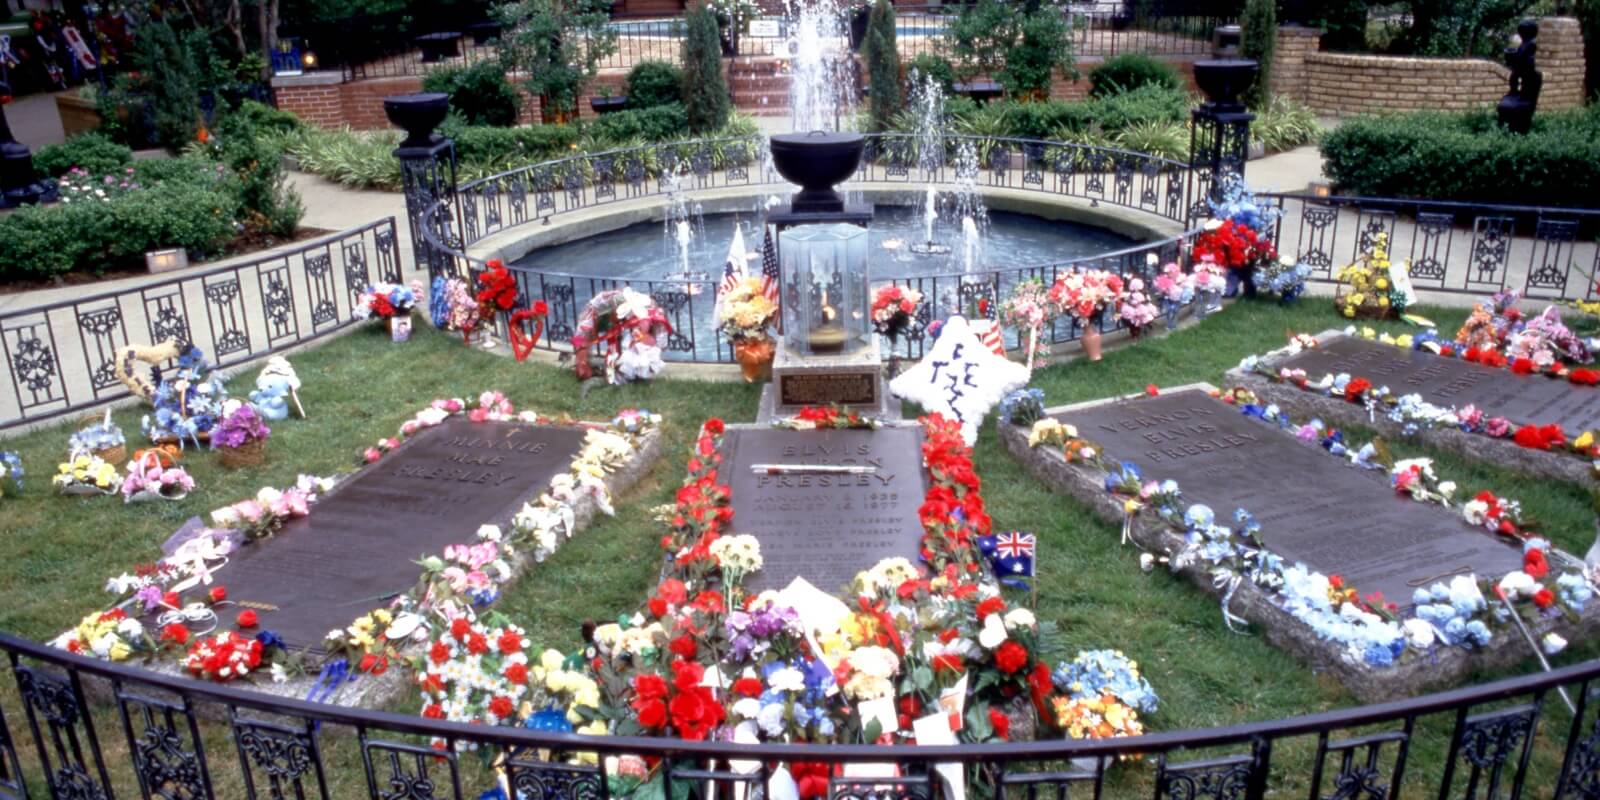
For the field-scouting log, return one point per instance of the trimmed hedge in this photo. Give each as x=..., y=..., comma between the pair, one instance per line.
x=1053, y=118
x=1468, y=157
x=1131, y=71
x=93, y=151
x=655, y=124
x=654, y=83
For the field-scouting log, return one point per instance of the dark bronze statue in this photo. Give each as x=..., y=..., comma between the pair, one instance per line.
x=1517, y=107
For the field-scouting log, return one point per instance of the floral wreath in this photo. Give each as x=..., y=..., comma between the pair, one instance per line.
x=621, y=321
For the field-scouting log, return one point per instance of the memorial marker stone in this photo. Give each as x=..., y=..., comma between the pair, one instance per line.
x=1498, y=392
x=357, y=548
x=826, y=527
x=1333, y=516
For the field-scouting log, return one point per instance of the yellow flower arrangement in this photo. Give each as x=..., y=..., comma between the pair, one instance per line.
x=745, y=311
x=87, y=471
x=1365, y=289
x=1096, y=718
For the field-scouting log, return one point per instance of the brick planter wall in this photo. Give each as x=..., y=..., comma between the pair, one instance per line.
x=1341, y=84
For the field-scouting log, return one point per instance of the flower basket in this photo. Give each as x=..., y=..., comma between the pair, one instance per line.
x=249, y=454
x=113, y=455
x=147, y=496
x=84, y=489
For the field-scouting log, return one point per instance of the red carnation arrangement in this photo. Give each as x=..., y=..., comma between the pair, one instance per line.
x=1233, y=246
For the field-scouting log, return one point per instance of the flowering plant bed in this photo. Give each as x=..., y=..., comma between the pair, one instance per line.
x=1538, y=446
x=459, y=582
x=1377, y=650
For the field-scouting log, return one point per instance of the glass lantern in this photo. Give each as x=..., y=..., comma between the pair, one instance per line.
x=825, y=288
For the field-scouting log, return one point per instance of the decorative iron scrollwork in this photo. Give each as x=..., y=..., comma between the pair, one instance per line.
x=545, y=780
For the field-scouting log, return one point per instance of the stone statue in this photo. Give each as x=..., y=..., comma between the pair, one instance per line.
x=1517, y=107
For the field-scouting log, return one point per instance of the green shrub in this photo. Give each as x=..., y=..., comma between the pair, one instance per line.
x=1284, y=125
x=882, y=55
x=1147, y=103
x=1163, y=139
x=1125, y=73
x=1467, y=157
x=262, y=118
x=654, y=83
x=92, y=151
x=359, y=160
x=168, y=58
x=705, y=93
x=1043, y=45
x=475, y=143
x=935, y=66
x=657, y=124
x=479, y=93
x=1039, y=120
x=173, y=216
x=1258, y=40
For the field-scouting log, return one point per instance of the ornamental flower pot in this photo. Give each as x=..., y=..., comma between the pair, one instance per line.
x=607, y=105
x=249, y=454
x=754, y=354
x=417, y=115
x=816, y=161
x=1091, y=341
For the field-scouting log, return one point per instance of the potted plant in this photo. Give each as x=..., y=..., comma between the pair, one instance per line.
x=745, y=314
x=557, y=45
x=241, y=437
x=1029, y=310
x=893, y=308
x=1086, y=295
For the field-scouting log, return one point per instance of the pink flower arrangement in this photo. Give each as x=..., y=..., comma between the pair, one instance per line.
x=1174, y=285
x=147, y=480
x=261, y=516
x=1086, y=294
x=1134, y=306
x=1209, y=277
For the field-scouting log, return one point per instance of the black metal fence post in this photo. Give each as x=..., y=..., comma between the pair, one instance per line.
x=428, y=176
x=1219, y=139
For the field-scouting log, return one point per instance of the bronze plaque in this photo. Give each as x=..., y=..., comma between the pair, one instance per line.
x=356, y=550
x=1498, y=392
x=826, y=527
x=824, y=388
x=1336, y=518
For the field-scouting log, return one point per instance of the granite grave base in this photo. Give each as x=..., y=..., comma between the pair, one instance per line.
x=1436, y=386
x=1411, y=675
x=377, y=691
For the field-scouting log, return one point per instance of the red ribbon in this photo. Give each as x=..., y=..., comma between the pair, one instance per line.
x=885, y=621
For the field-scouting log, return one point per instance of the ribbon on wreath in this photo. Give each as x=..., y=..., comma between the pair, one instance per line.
x=1228, y=581
x=80, y=49
x=522, y=344
x=877, y=612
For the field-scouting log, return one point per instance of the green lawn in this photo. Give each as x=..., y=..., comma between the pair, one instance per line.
x=59, y=551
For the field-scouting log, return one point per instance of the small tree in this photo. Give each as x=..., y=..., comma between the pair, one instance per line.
x=705, y=93
x=1258, y=39
x=1043, y=45
x=557, y=45
x=883, y=65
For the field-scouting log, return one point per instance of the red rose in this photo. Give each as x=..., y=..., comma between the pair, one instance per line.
x=176, y=633
x=1534, y=563
x=439, y=653
x=650, y=687
x=509, y=643
x=373, y=663
x=502, y=707
x=1584, y=377
x=683, y=646
x=992, y=605
x=1011, y=657
x=1001, y=723
x=673, y=591
x=1356, y=390
x=1528, y=436
x=247, y=618
x=1544, y=598
x=715, y=427
x=652, y=713
x=710, y=602
x=948, y=662
x=460, y=627
x=695, y=713
x=658, y=607
x=517, y=674
x=1522, y=366
x=747, y=687
x=1152, y=390
x=477, y=644
x=686, y=675
x=218, y=594
x=433, y=711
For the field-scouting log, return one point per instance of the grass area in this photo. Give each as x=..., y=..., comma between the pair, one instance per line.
x=59, y=551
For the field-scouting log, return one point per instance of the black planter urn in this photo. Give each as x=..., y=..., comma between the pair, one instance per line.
x=418, y=115
x=1224, y=81
x=817, y=161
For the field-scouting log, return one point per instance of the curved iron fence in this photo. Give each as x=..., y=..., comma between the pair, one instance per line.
x=58, y=357
x=94, y=728
x=538, y=193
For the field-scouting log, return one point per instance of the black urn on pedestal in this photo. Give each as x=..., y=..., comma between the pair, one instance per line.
x=19, y=183
x=1224, y=81
x=418, y=115
x=817, y=161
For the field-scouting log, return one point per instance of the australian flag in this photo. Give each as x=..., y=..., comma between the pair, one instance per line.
x=1010, y=554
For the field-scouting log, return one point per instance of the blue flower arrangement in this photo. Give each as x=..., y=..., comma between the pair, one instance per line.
x=187, y=403
x=10, y=472
x=1094, y=673
x=1022, y=407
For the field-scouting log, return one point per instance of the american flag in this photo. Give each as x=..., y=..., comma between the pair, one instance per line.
x=733, y=270
x=989, y=335
x=769, y=265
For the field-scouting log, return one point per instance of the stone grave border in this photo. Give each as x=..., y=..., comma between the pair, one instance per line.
x=1312, y=402
x=376, y=691
x=1410, y=675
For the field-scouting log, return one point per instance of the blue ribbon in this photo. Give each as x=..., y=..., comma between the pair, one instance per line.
x=335, y=674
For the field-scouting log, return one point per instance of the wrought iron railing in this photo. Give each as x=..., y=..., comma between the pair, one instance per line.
x=1461, y=248
x=539, y=193
x=59, y=357
x=77, y=727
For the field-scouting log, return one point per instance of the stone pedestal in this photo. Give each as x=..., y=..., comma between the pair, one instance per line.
x=853, y=380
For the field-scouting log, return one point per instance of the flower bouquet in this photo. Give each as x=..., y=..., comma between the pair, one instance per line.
x=1284, y=279
x=1238, y=249
x=1135, y=308
x=1086, y=295
x=101, y=438
x=86, y=474
x=149, y=479
x=744, y=313
x=1175, y=289
x=187, y=401
x=392, y=303
x=1029, y=309
x=241, y=437
x=497, y=293
x=1210, y=282
x=1366, y=288
x=261, y=516
x=10, y=472
x=893, y=308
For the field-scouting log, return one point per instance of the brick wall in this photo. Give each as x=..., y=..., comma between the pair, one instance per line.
x=323, y=100
x=1341, y=84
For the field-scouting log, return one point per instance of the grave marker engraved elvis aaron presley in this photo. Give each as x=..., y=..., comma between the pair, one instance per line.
x=1498, y=392
x=826, y=527
x=1313, y=508
x=357, y=548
